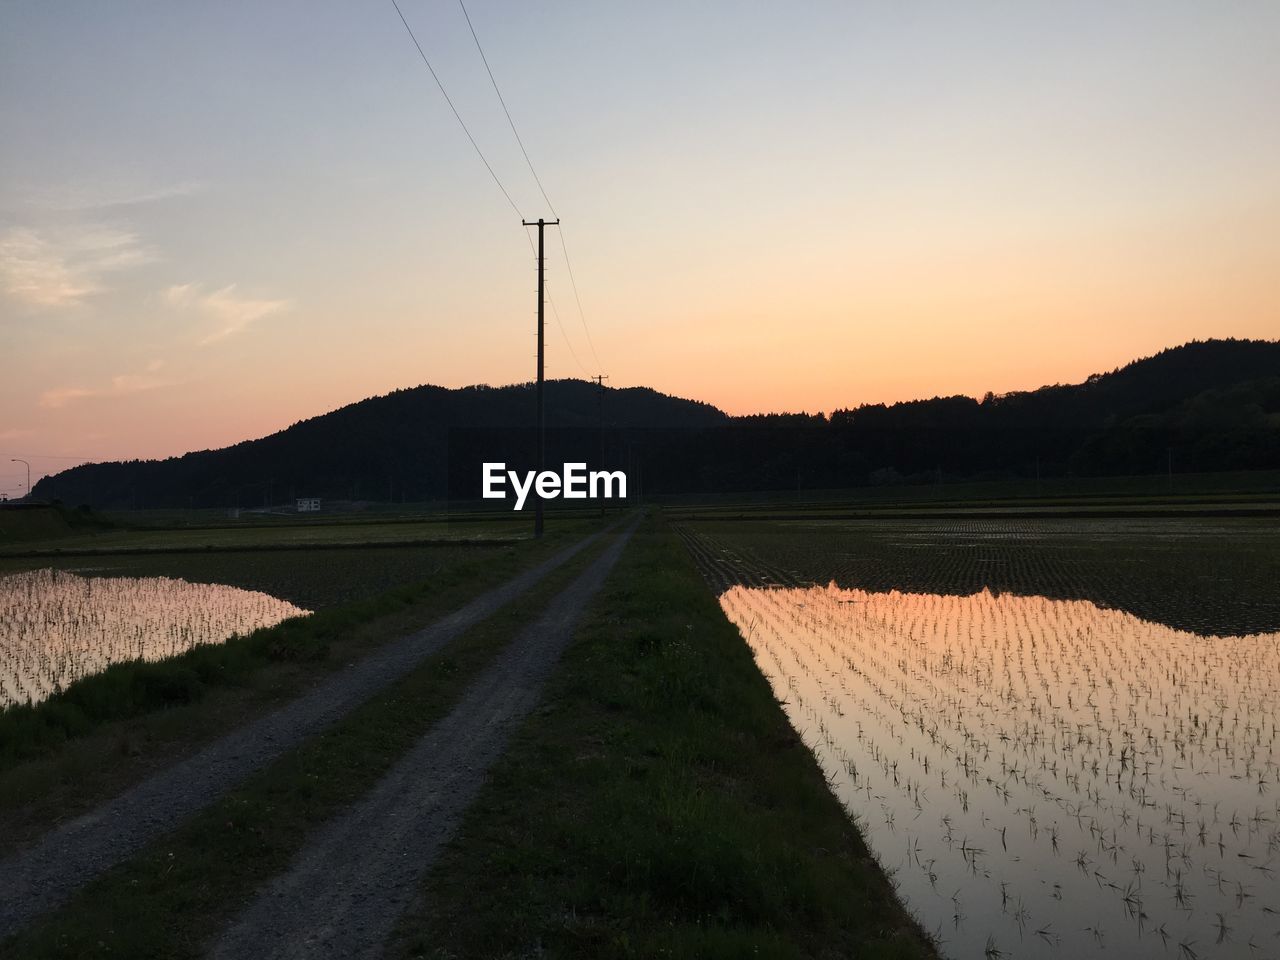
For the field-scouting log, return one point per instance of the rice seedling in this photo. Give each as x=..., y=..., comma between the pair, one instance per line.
x=56, y=627
x=1087, y=777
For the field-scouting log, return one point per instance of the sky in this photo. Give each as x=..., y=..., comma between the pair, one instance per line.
x=219, y=219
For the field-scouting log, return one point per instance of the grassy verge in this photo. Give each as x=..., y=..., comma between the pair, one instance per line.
x=171, y=899
x=61, y=756
x=312, y=578
x=659, y=804
x=85, y=534
x=38, y=522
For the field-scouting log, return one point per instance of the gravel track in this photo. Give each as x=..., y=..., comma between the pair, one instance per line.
x=345, y=891
x=39, y=878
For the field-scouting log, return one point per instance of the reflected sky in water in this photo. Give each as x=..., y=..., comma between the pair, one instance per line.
x=56, y=626
x=1042, y=778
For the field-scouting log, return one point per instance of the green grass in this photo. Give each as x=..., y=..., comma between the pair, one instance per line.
x=30, y=523
x=313, y=579
x=659, y=804
x=128, y=690
x=168, y=901
x=274, y=536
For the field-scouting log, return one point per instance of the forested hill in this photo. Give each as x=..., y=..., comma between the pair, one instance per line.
x=392, y=447
x=1204, y=406
x=1207, y=405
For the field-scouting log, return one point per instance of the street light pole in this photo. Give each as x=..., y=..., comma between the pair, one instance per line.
x=27, y=495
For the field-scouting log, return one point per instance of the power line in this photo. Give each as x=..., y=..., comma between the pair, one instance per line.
x=538, y=180
x=457, y=116
x=574, y=284
x=572, y=352
x=492, y=173
x=502, y=101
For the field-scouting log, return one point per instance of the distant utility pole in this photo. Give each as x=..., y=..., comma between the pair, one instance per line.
x=27, y=494
x=542, y=410
x=600, y=378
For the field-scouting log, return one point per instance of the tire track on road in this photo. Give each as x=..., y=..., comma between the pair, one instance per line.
x=44, y=875
x=344, y=893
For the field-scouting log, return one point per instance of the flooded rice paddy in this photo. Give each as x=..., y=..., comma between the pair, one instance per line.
x=1041, y=776
x=57, y=626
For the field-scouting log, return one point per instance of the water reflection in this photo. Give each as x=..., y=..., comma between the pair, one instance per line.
x=56, y=627
x=1042, y=777
x=1210, y=578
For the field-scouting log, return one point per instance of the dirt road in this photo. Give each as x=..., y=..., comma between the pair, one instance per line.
x=42, y=876
x=344, y=892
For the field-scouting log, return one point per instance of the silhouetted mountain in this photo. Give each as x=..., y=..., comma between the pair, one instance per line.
x=1209, y=405
x=1204, y=406
x=393, y=447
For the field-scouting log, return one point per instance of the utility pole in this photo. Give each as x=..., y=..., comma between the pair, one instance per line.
x=542, y=410
x=599, y=379
x=27, y=494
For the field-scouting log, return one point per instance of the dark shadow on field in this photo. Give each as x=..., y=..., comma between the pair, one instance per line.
x=310, y=578
x=1208, y=577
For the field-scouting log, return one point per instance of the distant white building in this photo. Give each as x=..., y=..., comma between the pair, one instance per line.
x=308, y=504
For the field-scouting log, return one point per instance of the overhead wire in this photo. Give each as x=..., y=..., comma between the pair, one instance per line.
x=503, y=102
x=572, y=352
x=497, y=180
x=555, y=312
x=573, y=283
x=462, y=123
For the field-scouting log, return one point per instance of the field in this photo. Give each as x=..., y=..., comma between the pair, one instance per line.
x=1054, y=733
x=1218, y=491
x=1058, y=735
x=155, y=590
x=313, y=563
x=58, y=627
x=1203, y=575
x=361, y=594
x=312, y=579
x=273, y=536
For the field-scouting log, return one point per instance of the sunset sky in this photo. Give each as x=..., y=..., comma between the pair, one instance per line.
x=219, y=218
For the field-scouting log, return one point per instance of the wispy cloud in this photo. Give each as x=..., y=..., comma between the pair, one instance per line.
x=61, y=396
x=104, y=195
x=60, y=267
x=231, y=314
x=122, y=385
